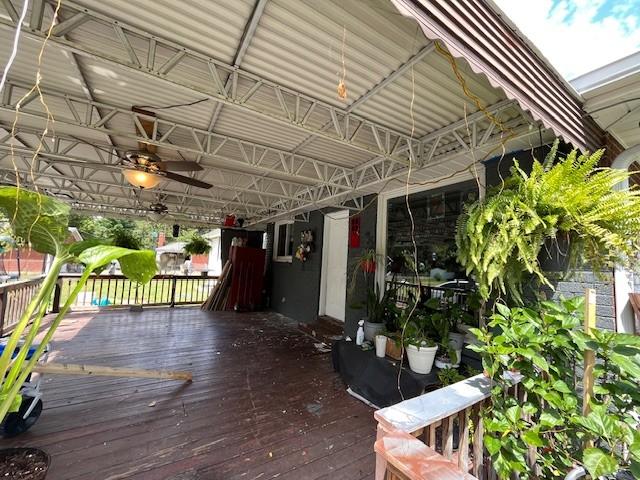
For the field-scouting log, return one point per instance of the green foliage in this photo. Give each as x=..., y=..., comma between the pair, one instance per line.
x=381, y=307
x=435, y=318
x=197, y=246
x=35, y=219
x=449, y=376
x=143, y=232
x=125, y=239
x=499, y=239
x=43, y=222
x=545, y=347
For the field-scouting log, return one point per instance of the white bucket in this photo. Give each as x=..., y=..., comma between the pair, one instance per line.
x=381, y=345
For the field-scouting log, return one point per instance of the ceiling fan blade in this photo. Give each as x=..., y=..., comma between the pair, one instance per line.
x=179, y=166
x=188, y=180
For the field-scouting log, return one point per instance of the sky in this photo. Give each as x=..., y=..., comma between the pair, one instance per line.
x=578, y=36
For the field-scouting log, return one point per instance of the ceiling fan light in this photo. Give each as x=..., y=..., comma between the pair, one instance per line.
x=141, y=179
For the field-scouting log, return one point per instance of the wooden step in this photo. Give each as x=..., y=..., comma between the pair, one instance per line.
x=326, y=330
x=331, y=324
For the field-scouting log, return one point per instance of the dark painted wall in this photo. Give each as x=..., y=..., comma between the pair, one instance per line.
x=294, y=288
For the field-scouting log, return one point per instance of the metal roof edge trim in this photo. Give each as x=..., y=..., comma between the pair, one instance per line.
x=587, y=136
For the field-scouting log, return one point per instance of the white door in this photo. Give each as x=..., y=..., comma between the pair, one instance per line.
x=333, y=290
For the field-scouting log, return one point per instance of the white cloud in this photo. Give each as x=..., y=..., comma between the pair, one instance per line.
x=574, y=34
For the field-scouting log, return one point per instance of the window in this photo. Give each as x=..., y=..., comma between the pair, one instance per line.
x=283, y=241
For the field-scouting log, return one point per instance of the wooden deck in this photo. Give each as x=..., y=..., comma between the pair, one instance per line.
x=264, y=404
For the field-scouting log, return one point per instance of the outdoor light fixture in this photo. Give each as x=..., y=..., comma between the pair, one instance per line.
x=141, y=179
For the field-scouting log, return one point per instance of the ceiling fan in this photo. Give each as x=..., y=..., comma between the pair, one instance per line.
x=143, y=168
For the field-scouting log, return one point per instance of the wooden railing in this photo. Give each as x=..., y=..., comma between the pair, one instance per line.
x=406, y=291
x=14, y=298
x=118, y=291
x=441, y=429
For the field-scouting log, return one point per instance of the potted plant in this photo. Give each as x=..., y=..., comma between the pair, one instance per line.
x=197, y=245
x=380, y=306
x=368, y=261
x=421, y=349
x=394, y=345
x=42, y=222
x=449, y=376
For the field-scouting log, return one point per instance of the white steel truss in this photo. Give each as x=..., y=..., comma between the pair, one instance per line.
x=378, y=173
x=185, y=139
x=109, y=193
x=290, y=108
x=61, y=149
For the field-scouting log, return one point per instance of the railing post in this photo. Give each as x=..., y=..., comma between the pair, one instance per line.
x=55, y=308
x=172, y=302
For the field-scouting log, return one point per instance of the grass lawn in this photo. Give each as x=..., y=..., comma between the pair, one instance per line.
x=122, y=291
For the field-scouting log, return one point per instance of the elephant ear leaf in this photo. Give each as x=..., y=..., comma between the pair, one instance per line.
x=137, y=265
x=77, y=248
x=37, y=219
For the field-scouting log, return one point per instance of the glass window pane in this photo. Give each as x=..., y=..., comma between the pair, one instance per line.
x=282, y=241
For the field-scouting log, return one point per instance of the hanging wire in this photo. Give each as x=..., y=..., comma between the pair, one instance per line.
x=176, y=105
x=413, y=223
x=50, y=120
x=16, y=39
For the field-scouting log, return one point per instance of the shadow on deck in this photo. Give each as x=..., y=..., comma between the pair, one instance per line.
x=264, y=404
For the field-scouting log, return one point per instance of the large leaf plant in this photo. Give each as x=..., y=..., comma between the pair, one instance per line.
x=569, y=204
x=546, y=423
x=548, y=428
x=42, y=223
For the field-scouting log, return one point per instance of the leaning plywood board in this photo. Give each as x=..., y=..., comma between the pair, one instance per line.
x=98, y=370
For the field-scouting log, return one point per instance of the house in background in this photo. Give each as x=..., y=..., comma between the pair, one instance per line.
x=612, y=97
x=215, y=255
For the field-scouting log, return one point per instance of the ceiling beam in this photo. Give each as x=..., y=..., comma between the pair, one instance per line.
x=245, y=41
x=248, y=156
x=289, y=107
x=376, y=175
x=259, y=186
x=117, y=190
x=388, y=80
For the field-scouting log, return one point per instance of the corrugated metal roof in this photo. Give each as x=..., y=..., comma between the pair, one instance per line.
x=478, y=32
x=297, y=45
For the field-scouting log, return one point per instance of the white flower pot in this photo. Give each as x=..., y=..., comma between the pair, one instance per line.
x=372, y=329
x=456, y=341
x=421, y=359
x=381, y=346
x=445, y=364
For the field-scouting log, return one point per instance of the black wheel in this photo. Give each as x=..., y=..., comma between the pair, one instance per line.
x=15, y=424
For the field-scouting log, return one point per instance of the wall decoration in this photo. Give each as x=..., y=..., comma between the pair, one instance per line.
x=354, y=231
x=306, y=246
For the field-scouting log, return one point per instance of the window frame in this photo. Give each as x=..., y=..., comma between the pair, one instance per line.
x=276, y=240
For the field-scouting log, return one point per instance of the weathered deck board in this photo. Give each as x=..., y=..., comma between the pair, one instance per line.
x=263, y=403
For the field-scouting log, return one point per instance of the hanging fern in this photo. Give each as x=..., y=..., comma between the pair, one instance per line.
x=197, y=246
x=499, y=238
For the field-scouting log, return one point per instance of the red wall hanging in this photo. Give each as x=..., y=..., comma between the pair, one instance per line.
x=354, y=232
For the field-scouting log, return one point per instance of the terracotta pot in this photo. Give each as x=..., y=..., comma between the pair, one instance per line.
x=10, y=455
x=393, y=349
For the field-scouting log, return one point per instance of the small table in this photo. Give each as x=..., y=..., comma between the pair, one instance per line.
x=376, y=379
